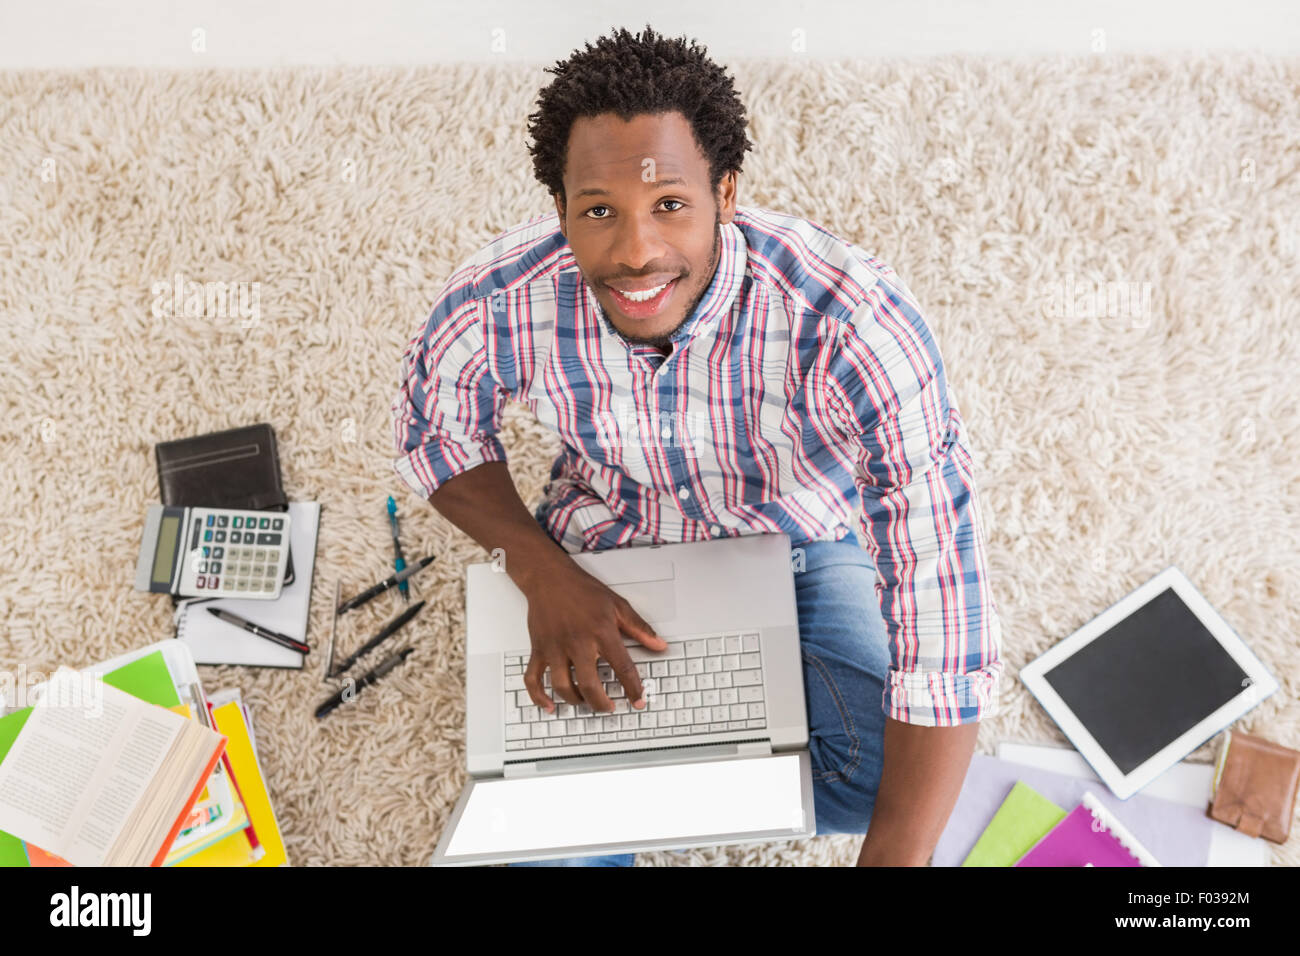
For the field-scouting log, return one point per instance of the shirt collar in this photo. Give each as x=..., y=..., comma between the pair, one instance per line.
x=718, y=299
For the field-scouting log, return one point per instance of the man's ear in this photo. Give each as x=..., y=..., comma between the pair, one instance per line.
x=559, y=208
x=728, y=196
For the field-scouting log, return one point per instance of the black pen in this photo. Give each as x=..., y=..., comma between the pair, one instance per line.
x=387, y=631
x=251, y=628
x=348, y=692
x=384, y=585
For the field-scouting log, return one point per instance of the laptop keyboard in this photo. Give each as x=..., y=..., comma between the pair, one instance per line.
x=697, y=686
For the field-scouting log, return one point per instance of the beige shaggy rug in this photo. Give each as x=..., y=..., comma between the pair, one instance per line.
x=1154, y=428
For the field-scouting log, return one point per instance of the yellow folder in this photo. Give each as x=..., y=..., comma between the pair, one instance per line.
x=234, y=850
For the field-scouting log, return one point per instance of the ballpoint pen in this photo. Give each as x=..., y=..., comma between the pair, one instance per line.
x=387, y=631
x=281, y=639
x=334, y=630
x=384, y=585
x=399, y=563
x=348, y=692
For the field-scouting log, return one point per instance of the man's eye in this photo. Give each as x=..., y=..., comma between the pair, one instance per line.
x=594, y=208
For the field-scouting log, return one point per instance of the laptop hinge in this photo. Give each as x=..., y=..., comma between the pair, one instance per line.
x=688, y=753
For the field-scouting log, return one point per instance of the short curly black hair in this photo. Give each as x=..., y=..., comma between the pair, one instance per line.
x=630, y=76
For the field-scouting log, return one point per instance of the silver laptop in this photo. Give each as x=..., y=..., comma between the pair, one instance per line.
x=719, y=754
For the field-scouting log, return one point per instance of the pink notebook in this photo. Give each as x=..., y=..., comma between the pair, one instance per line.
x=1088, y=836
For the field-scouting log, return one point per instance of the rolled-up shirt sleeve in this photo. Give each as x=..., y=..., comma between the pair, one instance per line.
x=920, y=513
x=447, y=413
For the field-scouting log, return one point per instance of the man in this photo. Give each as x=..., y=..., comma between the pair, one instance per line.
x=716, y=370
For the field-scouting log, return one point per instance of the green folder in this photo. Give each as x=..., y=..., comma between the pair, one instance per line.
x=1023, y=819
x=147, y=678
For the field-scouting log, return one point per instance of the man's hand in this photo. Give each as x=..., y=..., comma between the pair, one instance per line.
x=574, y=619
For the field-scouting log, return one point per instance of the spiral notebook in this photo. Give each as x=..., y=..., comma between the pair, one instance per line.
x=1088, y=836
x=213, y=641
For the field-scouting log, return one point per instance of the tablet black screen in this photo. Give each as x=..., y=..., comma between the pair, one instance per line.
x=1147, y=680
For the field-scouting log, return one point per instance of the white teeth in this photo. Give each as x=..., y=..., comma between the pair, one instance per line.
x=645, y=296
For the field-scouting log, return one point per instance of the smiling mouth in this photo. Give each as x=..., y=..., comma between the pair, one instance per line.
x=643, y=295
x=645, y=303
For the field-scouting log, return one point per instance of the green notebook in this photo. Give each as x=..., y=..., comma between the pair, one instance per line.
x=147, y=678
x=1023, y=819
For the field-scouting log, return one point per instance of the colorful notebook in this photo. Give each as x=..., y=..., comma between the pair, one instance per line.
x=234, y=850
x=248, y=778
x=1088, y=836
x=243, y=848
x=218, y=814
x=1024, y=818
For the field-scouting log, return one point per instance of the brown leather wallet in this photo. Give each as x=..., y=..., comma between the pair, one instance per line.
x=1256, y=781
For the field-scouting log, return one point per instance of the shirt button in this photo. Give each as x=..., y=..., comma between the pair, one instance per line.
x=715, y=530
x=666, y=433
x=683, y=493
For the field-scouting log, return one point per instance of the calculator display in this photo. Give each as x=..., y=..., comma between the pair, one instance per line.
x=168, y=538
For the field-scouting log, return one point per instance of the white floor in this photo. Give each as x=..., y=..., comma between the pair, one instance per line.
x=253, y=33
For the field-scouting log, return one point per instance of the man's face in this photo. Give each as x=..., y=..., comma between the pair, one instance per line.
x=640, y=214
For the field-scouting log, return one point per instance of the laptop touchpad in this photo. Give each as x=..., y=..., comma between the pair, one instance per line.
x=643, y=580
x=656, y=601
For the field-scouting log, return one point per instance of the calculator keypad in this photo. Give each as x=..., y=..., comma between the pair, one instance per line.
x=248, y=560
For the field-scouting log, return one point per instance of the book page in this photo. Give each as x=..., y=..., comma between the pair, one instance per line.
x=80, y=765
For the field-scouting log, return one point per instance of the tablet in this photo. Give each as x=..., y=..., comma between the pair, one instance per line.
x=1147, y=681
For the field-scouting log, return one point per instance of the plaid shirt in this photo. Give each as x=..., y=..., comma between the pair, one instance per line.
x=805, y=385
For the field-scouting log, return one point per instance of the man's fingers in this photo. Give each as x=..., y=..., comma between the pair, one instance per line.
x=533, y=681
x=624, y=671
x=635, y=627
x=592, y=689
x=561, y=682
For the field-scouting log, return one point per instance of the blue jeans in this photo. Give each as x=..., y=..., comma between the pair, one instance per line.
x=846, y=661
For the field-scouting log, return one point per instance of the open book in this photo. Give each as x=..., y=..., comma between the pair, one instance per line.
x=98, y=777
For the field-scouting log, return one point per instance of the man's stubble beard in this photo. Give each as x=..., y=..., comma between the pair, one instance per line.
x=663, y=339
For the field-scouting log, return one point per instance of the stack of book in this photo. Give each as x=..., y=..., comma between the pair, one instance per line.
x=129, y=763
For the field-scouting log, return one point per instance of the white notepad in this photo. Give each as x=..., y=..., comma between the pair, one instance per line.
x=213, y=641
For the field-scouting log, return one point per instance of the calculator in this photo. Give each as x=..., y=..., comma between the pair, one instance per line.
x=213, y=552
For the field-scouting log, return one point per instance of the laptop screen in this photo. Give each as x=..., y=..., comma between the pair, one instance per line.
x=630, y=805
